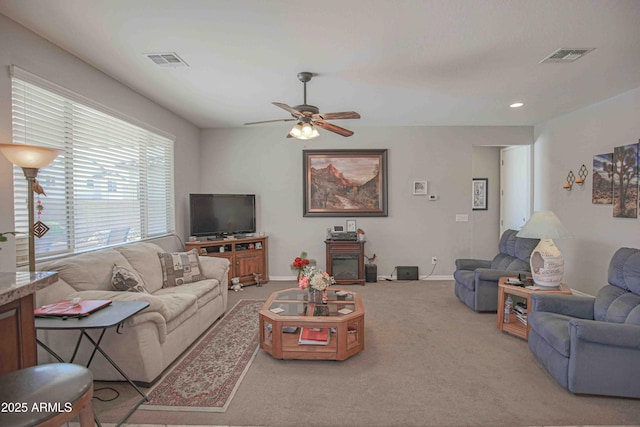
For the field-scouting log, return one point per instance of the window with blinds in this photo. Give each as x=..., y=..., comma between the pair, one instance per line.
x=112, y=184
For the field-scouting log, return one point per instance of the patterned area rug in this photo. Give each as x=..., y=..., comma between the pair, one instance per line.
x=207, y=378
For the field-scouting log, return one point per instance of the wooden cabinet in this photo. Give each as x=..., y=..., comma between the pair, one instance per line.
x=18, y=337
x=247, y=256
x=17, y=327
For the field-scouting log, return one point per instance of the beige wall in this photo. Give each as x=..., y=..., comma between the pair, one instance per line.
x=29, y=51
x=564, y=144
x=261, y=160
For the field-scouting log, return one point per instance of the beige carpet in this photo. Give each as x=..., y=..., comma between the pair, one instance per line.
x=428, y=361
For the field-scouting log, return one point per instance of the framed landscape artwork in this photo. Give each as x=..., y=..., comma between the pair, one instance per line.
x=479, y=194
x=345, y=182
x=625, y=181
x=602, y=191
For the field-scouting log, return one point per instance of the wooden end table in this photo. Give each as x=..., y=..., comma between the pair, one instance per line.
x=515, y=326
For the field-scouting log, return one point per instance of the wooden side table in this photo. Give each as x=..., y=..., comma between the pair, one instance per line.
x=515, y=326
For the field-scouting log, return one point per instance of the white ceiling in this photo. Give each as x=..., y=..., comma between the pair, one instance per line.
x=397, y=63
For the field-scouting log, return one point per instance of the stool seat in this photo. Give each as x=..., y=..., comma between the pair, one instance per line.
x=45, y=392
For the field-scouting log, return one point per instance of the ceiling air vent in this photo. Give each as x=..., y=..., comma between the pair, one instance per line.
x=566, y=55
x=170, y=59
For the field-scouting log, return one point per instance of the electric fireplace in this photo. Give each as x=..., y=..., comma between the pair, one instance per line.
x=345, y=261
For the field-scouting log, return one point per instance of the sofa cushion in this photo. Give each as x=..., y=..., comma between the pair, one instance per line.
x=178, y=306
x=518, y=265
x=507, y=243
x=624, y=269
x=143, y=257
x=174, y=304
x=523, y=249
x=179, y=268
x=204, y=290
x=122, y=279
x=501, y=261
x=606, y=296
x=621, y=307
x=91, y=270
x=553, y=328
x=634, y=316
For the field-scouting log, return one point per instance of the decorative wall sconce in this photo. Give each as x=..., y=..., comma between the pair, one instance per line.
x=571, y=178
x=582, y=175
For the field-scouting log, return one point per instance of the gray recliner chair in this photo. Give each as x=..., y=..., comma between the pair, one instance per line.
x=477, y=280
x=592, y=345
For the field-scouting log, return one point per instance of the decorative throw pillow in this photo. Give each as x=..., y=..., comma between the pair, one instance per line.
x=179, y=268
x=123, y=280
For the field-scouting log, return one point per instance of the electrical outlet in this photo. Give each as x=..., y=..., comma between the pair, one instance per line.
x=434, y=260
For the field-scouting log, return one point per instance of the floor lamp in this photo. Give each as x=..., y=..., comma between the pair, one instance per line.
x=30, y=158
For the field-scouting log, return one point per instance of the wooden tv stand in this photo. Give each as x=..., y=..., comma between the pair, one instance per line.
x=247, y=256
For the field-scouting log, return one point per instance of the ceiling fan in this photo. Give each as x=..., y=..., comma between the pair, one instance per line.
x=307, y=116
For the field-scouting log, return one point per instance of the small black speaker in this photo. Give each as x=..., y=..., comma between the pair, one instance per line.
x=370, y=273
x=407, y=272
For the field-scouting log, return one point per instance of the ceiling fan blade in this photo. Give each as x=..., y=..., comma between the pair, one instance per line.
x=338, y=116
x=270, y=121
x=285, y=107
x=333, y=128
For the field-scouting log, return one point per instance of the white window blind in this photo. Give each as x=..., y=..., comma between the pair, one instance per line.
x=113, y=182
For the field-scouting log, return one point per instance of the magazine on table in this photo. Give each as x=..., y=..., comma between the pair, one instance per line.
x=71, y=308
x=314, y=336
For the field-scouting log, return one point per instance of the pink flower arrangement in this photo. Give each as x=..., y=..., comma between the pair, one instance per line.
x=315, y=279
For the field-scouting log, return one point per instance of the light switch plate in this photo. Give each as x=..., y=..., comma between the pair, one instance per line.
x=462, y=218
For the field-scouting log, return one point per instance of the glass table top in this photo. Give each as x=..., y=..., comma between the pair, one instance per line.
x=294, y=303
x=300, y=295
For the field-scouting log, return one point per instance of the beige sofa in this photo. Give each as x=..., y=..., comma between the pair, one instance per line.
x=155, y=337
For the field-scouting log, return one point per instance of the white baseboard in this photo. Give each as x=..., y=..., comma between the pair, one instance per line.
x=282, y=278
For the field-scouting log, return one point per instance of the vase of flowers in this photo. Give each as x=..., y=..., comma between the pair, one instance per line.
x=300, y=262
x=315, y=282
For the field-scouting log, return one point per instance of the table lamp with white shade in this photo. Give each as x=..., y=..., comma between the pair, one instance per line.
x=547, y=263
x=31, y=158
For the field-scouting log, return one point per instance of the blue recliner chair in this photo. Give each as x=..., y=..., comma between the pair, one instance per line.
x=477, y=280
x=592, y=345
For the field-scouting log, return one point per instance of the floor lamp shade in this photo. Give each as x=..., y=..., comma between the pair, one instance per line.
x=547, y=262
x=30, y=158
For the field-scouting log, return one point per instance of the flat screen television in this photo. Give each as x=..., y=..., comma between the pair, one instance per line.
x=219, y=215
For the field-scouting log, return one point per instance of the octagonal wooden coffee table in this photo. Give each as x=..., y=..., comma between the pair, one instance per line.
x=287, y=312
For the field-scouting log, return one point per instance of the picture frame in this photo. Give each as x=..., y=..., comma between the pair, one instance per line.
x=419, y=188
x=351, y=225
x=339, y=183
x=479, y=194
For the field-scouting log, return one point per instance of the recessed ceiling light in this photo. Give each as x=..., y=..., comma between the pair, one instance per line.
x=516, y=105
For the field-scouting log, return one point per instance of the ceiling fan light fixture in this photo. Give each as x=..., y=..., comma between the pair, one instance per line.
x=304, y=131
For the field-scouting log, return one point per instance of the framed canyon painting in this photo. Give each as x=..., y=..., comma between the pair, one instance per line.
x=345, y=182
